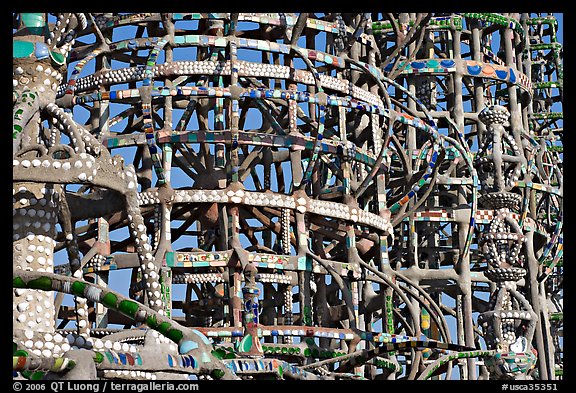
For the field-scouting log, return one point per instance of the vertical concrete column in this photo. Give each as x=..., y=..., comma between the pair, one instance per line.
x=463, y=269
x=35, y=215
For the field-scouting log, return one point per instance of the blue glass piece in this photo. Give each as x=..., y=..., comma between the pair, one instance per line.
x=474, y=70
x=447, y=63
x=187, y=346
x=501, y=74
x=41, y=51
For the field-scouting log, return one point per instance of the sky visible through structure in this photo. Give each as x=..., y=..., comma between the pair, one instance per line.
x=120, y=279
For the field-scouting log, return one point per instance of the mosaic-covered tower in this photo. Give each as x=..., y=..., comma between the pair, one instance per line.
x=287, y=195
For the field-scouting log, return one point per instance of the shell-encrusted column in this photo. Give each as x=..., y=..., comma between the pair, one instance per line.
x=509, y=325
x=35, y=212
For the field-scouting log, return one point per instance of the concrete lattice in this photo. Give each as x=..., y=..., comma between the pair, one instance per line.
x=341, y=196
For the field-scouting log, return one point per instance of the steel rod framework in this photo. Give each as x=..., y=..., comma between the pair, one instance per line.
x=293, y=196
